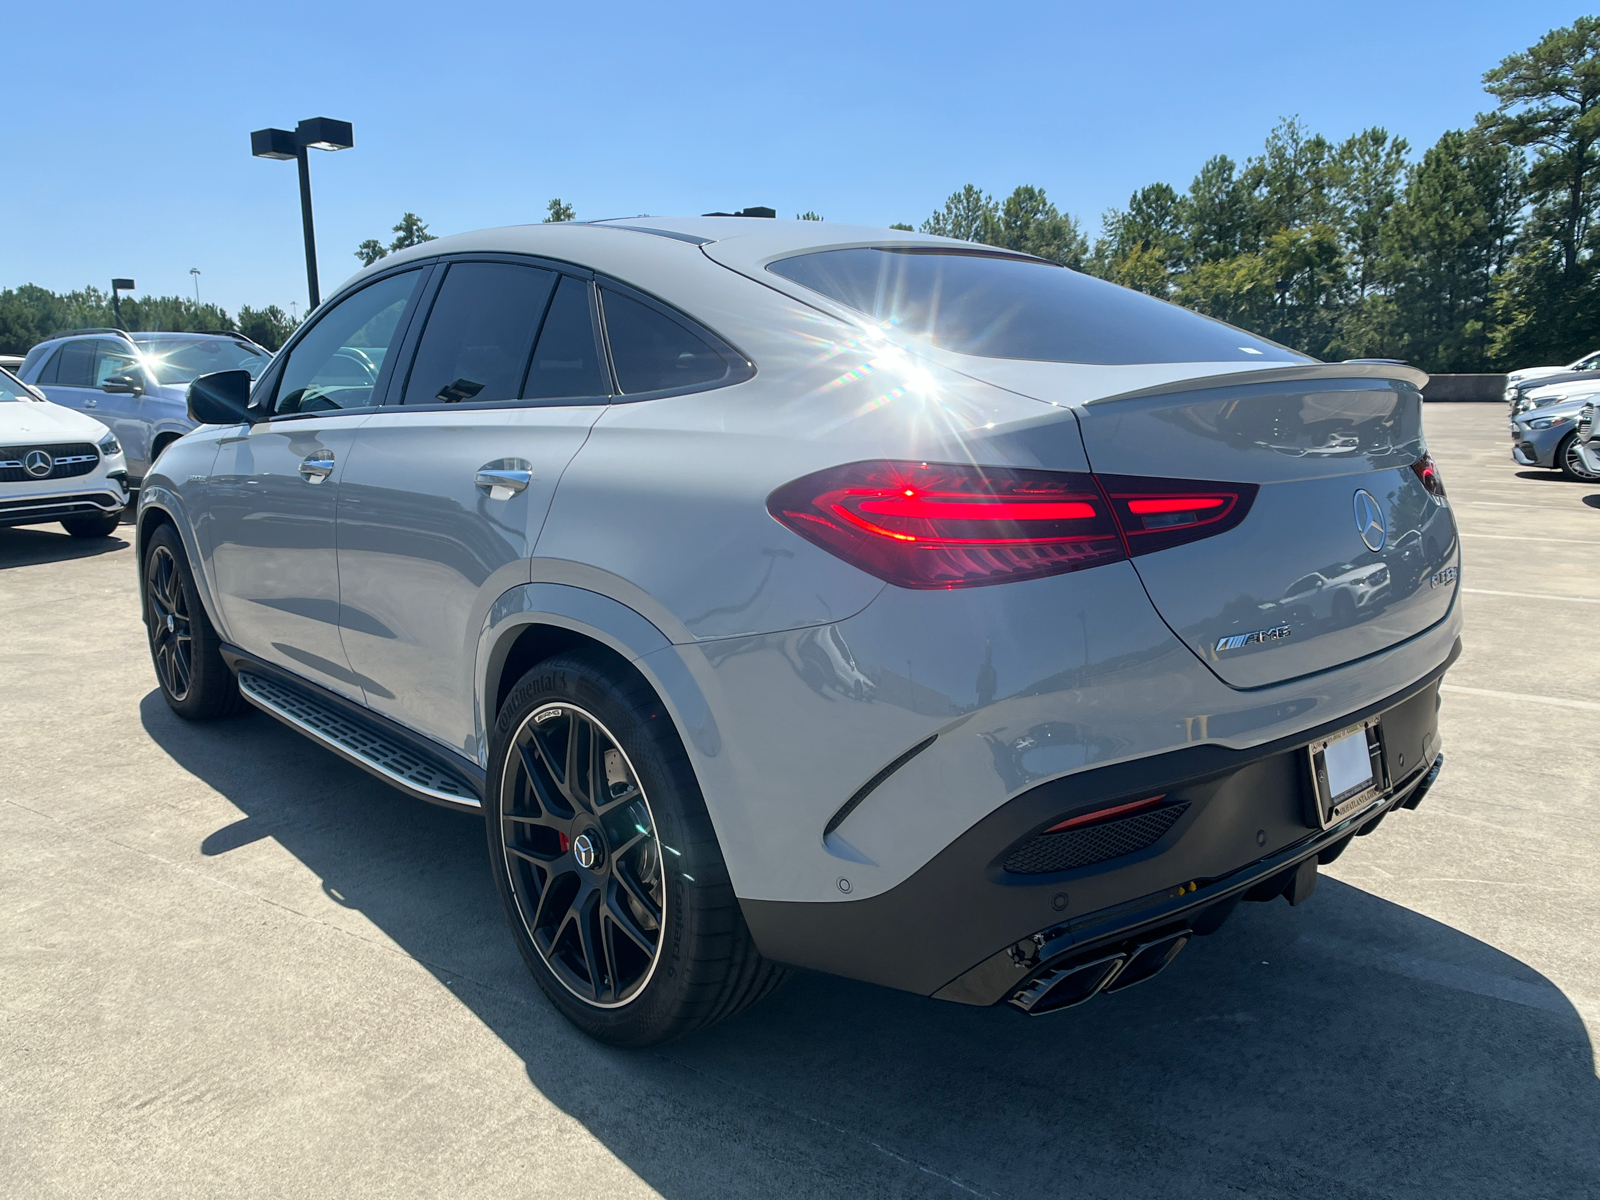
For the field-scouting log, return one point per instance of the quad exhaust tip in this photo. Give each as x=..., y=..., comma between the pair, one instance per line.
x=1070, y=985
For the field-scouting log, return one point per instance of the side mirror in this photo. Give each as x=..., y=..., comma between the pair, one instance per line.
x=127, y=384
x=220, y=398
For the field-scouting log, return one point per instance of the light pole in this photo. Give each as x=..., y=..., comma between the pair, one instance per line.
x=118, y=286
x=195, y=271
x=317, y=133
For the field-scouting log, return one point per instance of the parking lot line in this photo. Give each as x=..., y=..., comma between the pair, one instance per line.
x=1517, y=537
x=1530, y=595
x=1521, y=697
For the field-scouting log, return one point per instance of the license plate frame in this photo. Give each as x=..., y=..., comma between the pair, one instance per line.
x=1330, y=807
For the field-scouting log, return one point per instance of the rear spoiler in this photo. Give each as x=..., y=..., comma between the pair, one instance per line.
x=1295, y=373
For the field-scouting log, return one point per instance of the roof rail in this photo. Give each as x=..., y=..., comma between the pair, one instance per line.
x=66, y=333
x=227, y=333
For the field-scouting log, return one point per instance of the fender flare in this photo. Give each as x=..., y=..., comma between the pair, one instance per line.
x=604, y=620
x=155, y=496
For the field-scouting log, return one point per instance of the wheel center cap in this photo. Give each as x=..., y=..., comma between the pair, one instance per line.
x=586, y=849
x=172, y=623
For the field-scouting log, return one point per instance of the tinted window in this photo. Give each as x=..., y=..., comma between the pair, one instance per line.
x=1015, y=308
x=337, y=363
x=74, y=365
x=651, y=351
x=115, y=358
x=566, y=362
x=47, y=373
x=174, y=360
x=479, y=334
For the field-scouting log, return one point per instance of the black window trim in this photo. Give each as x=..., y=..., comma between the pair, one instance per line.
x=740, y=368
x=264, y=396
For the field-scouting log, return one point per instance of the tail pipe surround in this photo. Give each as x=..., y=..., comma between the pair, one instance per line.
x=1072, y=984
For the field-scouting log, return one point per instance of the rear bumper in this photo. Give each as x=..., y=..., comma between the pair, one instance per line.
x=965, y=928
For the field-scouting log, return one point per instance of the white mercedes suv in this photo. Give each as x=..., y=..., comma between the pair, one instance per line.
x=57, y=465
x=795, y=594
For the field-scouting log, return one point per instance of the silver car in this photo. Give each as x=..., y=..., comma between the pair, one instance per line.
x=135, y=383
x=787, y=594
x=1548, y=437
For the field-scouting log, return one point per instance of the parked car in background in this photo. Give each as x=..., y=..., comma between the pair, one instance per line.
x=1514, y=379
x=134, y=383
x=57, y=465
x=1548, y=437
x=796, y=594
x=10, y=362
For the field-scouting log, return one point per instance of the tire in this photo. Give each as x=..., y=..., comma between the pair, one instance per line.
x=184, y=649
x=92, y=527
x=1569, y=462
x=631, y=953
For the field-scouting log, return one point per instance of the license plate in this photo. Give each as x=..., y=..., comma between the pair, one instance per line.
x=1347, y=771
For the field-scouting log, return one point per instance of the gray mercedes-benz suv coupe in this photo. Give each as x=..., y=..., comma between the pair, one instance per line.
x=793, y=594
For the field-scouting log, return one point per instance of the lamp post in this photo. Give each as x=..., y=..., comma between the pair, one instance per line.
x=118, y=286
x=317, y=133
x=195, y=271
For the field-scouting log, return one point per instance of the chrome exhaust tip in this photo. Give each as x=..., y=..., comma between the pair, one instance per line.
x=1148, y=960
x=1067, y=986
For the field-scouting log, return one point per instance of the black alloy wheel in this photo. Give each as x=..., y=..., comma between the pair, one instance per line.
x=582, y=855
x=167, y=618
x=606, y=861
x=185, y=649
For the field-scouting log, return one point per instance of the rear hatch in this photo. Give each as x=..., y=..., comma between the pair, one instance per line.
x=1344, y=552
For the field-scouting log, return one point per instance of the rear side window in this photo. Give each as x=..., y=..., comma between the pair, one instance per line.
x=479, y=337
x=652, y=352
x=566, y=359
x=1006, y=307
x=73, y=365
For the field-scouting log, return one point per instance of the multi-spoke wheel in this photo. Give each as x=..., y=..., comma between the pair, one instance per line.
x=184, y=647
x=1571, y=462
x=582, y=855
x=606, y=860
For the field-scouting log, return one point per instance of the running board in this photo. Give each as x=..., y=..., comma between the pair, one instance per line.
x=385, y=757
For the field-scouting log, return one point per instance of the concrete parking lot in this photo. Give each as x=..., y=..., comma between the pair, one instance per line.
x=231, y=964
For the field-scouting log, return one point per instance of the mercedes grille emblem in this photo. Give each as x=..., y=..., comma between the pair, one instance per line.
x=38, y=464
x=1369, y=521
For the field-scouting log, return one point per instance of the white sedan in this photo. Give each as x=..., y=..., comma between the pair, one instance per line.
x=57, y=465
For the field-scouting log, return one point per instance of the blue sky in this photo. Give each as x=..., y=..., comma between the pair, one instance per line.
x=127, y=147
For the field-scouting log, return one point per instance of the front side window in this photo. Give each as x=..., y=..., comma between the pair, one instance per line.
x=114, y=358
x=180, y=360
x=337, y=364
x=566, y=360
x=1002, y=306
x=479, y=338
x=652, y=352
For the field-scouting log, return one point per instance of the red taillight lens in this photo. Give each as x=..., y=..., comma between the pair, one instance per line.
x=940, y=525
x=1428, y=471
x=932, y=525
x=1158, y=513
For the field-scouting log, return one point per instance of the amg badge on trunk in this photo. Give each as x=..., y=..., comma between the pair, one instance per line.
x=1263, y=636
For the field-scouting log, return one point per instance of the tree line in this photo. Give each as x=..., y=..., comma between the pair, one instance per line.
x=1481, y=253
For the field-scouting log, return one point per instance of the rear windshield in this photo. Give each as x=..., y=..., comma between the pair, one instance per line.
x=1004, y=307
x=174, y=360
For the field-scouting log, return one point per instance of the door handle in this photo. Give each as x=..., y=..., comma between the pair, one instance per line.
x=500, y=481
x=91, y=402
x=316, y=466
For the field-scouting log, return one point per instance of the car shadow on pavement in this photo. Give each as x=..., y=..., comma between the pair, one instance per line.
x=31, y=545
x=1347, y=1048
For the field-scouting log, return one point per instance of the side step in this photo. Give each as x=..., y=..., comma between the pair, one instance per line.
x=385, y=757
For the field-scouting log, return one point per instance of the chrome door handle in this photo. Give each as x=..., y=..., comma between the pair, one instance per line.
x=510, y=482
x=91, y=402
x=316, y=466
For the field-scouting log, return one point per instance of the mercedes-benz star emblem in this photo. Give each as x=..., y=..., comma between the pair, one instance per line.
x=38, y=464
x=1369, y=521
x=583, y=849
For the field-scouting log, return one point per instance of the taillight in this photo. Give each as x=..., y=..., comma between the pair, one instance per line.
x=942, y=525
x=1158, y=513
x=1427, y=471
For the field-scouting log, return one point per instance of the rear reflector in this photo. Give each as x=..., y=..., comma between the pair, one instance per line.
x=1104, y=814
x=943, y=525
